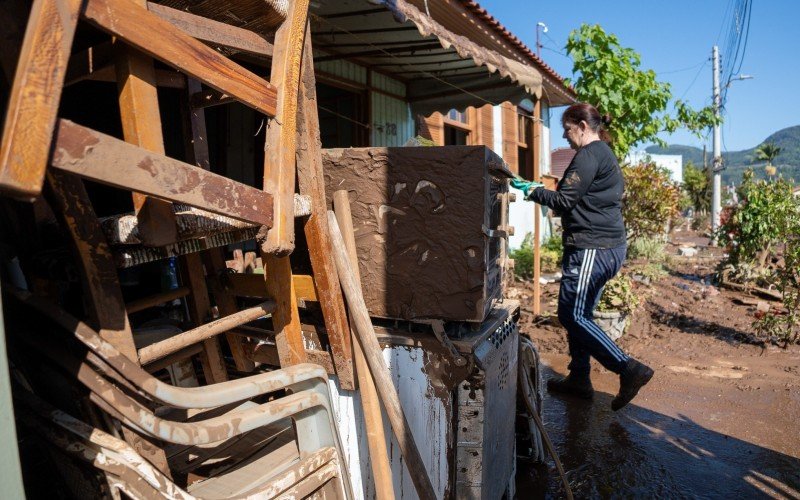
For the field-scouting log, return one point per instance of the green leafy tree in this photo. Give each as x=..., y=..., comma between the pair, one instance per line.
x=609, y=76
x=650, y=201
x=768, y=152
x=697, y=187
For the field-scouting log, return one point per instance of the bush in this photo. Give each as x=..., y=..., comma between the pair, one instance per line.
x=550, y=256
x=762, y=235
x=618, y=295
x=697, y=188
x=651, y=200
x=647, y=248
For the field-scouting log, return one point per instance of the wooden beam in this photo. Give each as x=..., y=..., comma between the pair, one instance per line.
x=377, y=365
x=161, y=40
x=102, y=158
x=370, y=404
x=537, y=214
x=35, y=94
x=199, y=305
x=101, y=284
x=141, y=126
x=279, y=153
x=285, y=317
x=252, y=285
x=312, y=183
x=213, y=32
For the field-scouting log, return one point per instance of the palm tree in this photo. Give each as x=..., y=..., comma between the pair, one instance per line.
x=768, y=151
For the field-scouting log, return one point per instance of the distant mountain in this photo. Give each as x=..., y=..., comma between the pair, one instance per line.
x=736, y=162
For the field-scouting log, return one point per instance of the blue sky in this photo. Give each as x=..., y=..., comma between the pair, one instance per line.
x=675, y=38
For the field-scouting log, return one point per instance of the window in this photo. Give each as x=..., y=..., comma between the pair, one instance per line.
x=458, y=128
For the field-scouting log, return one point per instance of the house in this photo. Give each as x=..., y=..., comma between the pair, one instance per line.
x=560, y=158
x=672, y=163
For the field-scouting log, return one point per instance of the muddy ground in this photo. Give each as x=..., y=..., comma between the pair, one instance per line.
x=720, y=419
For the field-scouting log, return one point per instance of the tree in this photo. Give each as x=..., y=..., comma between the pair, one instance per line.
x=610, y=78
x=697, y=187
x=768, y=152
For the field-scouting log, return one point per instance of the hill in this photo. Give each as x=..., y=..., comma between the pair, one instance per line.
x=736, y=162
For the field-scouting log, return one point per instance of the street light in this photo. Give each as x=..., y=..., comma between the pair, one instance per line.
x=538, y=44
x=742, y=76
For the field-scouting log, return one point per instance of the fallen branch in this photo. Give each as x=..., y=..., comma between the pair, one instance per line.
x=763, y=292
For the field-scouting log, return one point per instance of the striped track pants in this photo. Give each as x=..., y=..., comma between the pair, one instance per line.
x=585, y=273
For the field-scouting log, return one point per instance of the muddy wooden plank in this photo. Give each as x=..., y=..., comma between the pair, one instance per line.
x=106, y=304
x=104, y=159
x=252, y=285
x=285, y=317
x=35, y=94
x=312, y=183
x=213, y=32
x=160, y=39
x=141, y=126
x=370, y=403
x=155, y=300
x=199, y=303
x=101, y=284
x=279, y=153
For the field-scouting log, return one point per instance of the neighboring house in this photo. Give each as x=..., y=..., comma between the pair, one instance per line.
x=673, y=163
x=560, y=158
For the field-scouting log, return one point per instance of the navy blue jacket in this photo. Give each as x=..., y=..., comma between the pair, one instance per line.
x=589, y=199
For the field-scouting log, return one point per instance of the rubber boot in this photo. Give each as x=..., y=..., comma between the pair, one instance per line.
x=575, y=385
x=633, y=377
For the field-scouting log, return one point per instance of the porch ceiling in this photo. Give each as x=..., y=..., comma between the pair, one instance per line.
x=442, y=70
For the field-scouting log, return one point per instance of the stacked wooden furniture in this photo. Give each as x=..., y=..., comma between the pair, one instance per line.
x=266, y=433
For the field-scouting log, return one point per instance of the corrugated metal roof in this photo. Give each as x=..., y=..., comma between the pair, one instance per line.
x=439, y=66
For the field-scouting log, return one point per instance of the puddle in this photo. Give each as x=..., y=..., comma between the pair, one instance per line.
x=639, y=453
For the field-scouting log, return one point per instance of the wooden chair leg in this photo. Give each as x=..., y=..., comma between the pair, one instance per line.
x=279, y=154
x=311, y=183
x=106, y=305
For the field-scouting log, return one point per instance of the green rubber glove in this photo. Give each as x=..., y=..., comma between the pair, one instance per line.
x=525, y=186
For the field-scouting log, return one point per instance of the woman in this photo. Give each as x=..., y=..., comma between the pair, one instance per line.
x=589, y=199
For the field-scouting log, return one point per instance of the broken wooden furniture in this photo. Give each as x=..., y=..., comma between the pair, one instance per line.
x=181, y=207
x=430, y=226
x=234, y=443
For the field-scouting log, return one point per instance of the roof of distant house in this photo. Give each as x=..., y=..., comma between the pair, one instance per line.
x=560, y=158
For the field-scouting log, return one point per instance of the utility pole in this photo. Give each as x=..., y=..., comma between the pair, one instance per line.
x=716, y=165
x=543, y=27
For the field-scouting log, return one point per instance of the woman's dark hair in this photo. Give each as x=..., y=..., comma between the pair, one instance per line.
x=581, y=111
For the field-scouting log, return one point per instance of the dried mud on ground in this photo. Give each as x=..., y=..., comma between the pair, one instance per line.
x=720, y=419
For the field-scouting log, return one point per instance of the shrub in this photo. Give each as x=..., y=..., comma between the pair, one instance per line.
x=647, y=248
x=523, y=258
x=697, y=188
x=619, y=295
x=651, y=200
x=552, y=252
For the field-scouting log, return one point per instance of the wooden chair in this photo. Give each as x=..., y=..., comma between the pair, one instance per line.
x=245, y=445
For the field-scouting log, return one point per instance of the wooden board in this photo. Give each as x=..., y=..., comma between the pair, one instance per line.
x=163, y=41
x=141, y=126
x=312, y=183
x=279, y=153
x=252, y=285
x=285, y=317
x=213, y=32
x=104, y=159
x=35, y=94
